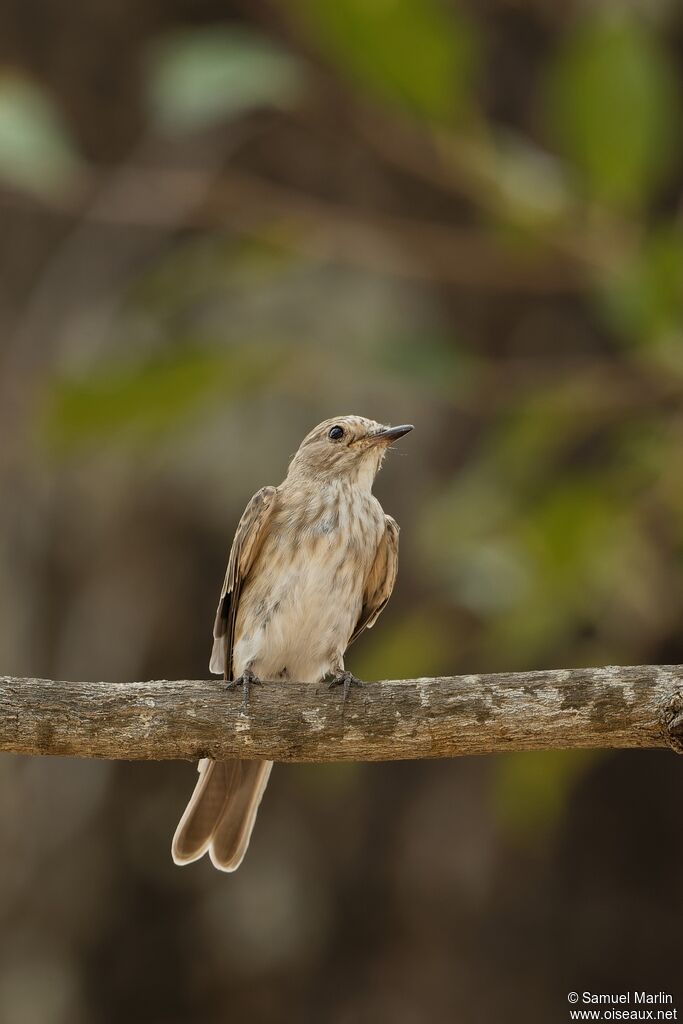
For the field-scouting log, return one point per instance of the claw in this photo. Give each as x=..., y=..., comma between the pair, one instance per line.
x=345, y=679
x=246, y=681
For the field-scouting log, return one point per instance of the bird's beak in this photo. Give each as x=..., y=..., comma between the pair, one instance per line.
x=391, y=434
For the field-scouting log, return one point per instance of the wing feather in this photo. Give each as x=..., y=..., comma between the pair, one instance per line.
x=249, y=536
x=381, y=578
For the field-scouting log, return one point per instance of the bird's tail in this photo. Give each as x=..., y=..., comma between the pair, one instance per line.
x=221, y=813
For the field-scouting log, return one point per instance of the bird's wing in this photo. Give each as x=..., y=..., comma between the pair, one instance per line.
x=249, y=536
x=380, y=580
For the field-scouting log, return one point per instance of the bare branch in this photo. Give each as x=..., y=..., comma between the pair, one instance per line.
x=442, y=717
x=402, y=246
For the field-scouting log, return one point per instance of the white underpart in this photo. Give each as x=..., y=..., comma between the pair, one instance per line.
x=301, y=605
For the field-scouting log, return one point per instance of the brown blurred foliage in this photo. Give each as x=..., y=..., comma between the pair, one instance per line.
x=221, y=224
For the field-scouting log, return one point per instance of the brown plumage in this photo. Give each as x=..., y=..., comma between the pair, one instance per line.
x=312, y=565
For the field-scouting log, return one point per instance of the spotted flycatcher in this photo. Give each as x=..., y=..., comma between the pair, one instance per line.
x=312, y=565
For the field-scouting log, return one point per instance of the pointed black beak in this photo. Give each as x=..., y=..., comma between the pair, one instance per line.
x=391, y=434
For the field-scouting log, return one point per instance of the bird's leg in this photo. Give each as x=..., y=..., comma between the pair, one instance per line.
x=246, y=681
x=345, y=679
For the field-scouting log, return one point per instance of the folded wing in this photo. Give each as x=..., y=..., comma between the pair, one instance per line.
x=380, y=580
x=249, y=537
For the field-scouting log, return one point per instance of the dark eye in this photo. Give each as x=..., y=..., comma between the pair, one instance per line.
x=336, y=433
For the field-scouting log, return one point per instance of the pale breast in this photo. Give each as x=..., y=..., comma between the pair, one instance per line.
x=301, y=602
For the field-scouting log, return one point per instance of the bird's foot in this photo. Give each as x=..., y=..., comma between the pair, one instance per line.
x=246, y=681
x=345, y=679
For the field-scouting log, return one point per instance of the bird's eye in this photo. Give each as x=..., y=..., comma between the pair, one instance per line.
x=336, y=433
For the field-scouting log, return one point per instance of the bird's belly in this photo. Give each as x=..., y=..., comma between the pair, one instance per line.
x=295, y=623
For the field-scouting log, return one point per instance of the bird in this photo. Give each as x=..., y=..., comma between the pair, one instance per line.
x=312, y=565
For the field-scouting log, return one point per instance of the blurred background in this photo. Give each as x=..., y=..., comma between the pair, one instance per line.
x=222, y=223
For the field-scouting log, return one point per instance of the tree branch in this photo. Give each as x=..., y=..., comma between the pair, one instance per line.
x=156, y=198
x=442, y=717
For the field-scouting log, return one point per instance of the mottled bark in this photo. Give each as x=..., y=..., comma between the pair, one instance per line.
x=443, y=717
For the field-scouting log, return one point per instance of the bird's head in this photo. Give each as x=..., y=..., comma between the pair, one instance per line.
x=347, y=448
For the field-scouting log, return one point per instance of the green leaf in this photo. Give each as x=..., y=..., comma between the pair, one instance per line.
x=195, y=78
x=410, y=53
x=137, y=400
x=643, y=297
x=612, y=105
x=35, y=149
